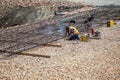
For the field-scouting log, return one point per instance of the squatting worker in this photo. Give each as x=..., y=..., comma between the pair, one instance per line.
x=72, y=33
x=88, y=23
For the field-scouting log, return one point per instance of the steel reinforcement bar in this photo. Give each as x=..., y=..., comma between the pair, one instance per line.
x=23, y=37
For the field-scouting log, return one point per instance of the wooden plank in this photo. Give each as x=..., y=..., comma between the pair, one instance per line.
x=10, y=53
x=34, y=55
x=51, y=45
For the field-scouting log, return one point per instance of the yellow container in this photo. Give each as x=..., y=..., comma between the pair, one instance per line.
x=84, y=38
x=112, y=23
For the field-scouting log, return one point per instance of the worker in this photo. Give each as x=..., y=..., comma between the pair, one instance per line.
x=72, y=33
x=88, y=23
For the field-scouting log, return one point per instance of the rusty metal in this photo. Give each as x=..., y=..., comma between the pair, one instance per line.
x=23, y=37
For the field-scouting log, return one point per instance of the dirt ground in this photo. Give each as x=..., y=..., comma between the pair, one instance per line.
x=75, y=60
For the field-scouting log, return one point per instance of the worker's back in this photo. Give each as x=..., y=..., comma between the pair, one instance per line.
x=73, y=30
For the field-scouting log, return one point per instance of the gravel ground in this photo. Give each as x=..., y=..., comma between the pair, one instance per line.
x=100, y=2
x=75, y=60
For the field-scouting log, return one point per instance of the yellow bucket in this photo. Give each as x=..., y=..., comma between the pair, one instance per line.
x=84, y=38
x=112, y=23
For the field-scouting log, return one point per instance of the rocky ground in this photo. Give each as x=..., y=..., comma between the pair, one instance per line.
x=75, y=60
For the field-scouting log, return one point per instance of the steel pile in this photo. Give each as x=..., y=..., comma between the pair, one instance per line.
x=24, y=37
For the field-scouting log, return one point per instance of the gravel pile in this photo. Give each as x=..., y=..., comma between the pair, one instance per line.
x=26, y=3
x=75, y=60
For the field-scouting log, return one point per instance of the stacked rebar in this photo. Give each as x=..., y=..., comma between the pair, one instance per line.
x=24, y=37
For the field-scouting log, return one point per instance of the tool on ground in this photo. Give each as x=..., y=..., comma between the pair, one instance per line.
x=110, y=23
x=85, y=37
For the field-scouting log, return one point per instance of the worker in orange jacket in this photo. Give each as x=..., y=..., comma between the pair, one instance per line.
x=72, y=33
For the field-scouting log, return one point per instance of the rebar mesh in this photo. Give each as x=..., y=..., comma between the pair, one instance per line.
x=24, y=37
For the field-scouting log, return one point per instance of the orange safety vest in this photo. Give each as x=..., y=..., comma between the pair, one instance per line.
x=75, y=30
